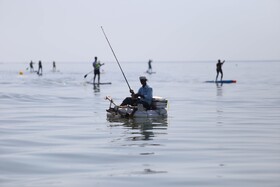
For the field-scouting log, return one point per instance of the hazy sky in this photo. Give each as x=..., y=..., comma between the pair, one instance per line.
x=69, y=30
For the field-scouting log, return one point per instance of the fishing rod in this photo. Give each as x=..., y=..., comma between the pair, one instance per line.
x=115, y=58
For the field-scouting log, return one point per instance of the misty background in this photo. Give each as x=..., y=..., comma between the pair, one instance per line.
x=163, y=30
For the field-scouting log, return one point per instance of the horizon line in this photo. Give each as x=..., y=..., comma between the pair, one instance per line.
x=134, y=61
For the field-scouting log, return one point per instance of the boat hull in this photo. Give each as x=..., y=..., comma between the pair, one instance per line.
x=157, y=110
x=128, y=112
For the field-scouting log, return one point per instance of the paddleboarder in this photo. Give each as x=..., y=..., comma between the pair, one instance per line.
x=96, y=66
x=31, y=66
x=219, y=69
x=40, y=68
x=54, y=66
x=144, y=95
x=149, y=66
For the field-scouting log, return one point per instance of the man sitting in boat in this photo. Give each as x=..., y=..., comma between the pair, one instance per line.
x=144, y=95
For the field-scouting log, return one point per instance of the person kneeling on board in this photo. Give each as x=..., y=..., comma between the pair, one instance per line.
x=144, y=95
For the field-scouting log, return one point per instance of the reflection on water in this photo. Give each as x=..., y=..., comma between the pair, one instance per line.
x=219, y=89
x=96, y=88
x=219, y=104
x=148, y=127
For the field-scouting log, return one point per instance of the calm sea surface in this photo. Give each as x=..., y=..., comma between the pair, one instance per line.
x=54, y=131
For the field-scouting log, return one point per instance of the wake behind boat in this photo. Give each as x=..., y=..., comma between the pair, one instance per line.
x=157, y=110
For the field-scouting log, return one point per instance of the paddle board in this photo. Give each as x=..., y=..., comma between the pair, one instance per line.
x=222, y=81
x=101, y=83
x=149, y=72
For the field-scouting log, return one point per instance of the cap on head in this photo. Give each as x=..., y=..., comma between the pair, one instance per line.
x=142, y=78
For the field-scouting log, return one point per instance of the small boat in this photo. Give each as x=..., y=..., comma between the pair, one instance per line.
x=157, y=110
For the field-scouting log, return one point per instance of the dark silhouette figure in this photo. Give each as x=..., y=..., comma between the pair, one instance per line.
x=40, y=68
x=31, y=66
x=54, y=66
x=149, y=66
x=219, y=69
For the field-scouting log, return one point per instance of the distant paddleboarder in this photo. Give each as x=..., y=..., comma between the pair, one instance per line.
x=40, y=68
x=54, y=66
x=96, y=65
x=219, y=69
x=31, y=66
x=149, y=66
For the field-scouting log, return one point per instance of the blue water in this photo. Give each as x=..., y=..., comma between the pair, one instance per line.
x=54, y=131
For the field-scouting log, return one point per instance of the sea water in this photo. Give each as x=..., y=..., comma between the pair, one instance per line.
x=54, y=131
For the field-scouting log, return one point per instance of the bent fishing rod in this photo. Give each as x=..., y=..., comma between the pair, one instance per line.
x=115, y=58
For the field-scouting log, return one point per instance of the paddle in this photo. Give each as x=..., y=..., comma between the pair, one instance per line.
x=87, y=74
x=115, y=58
